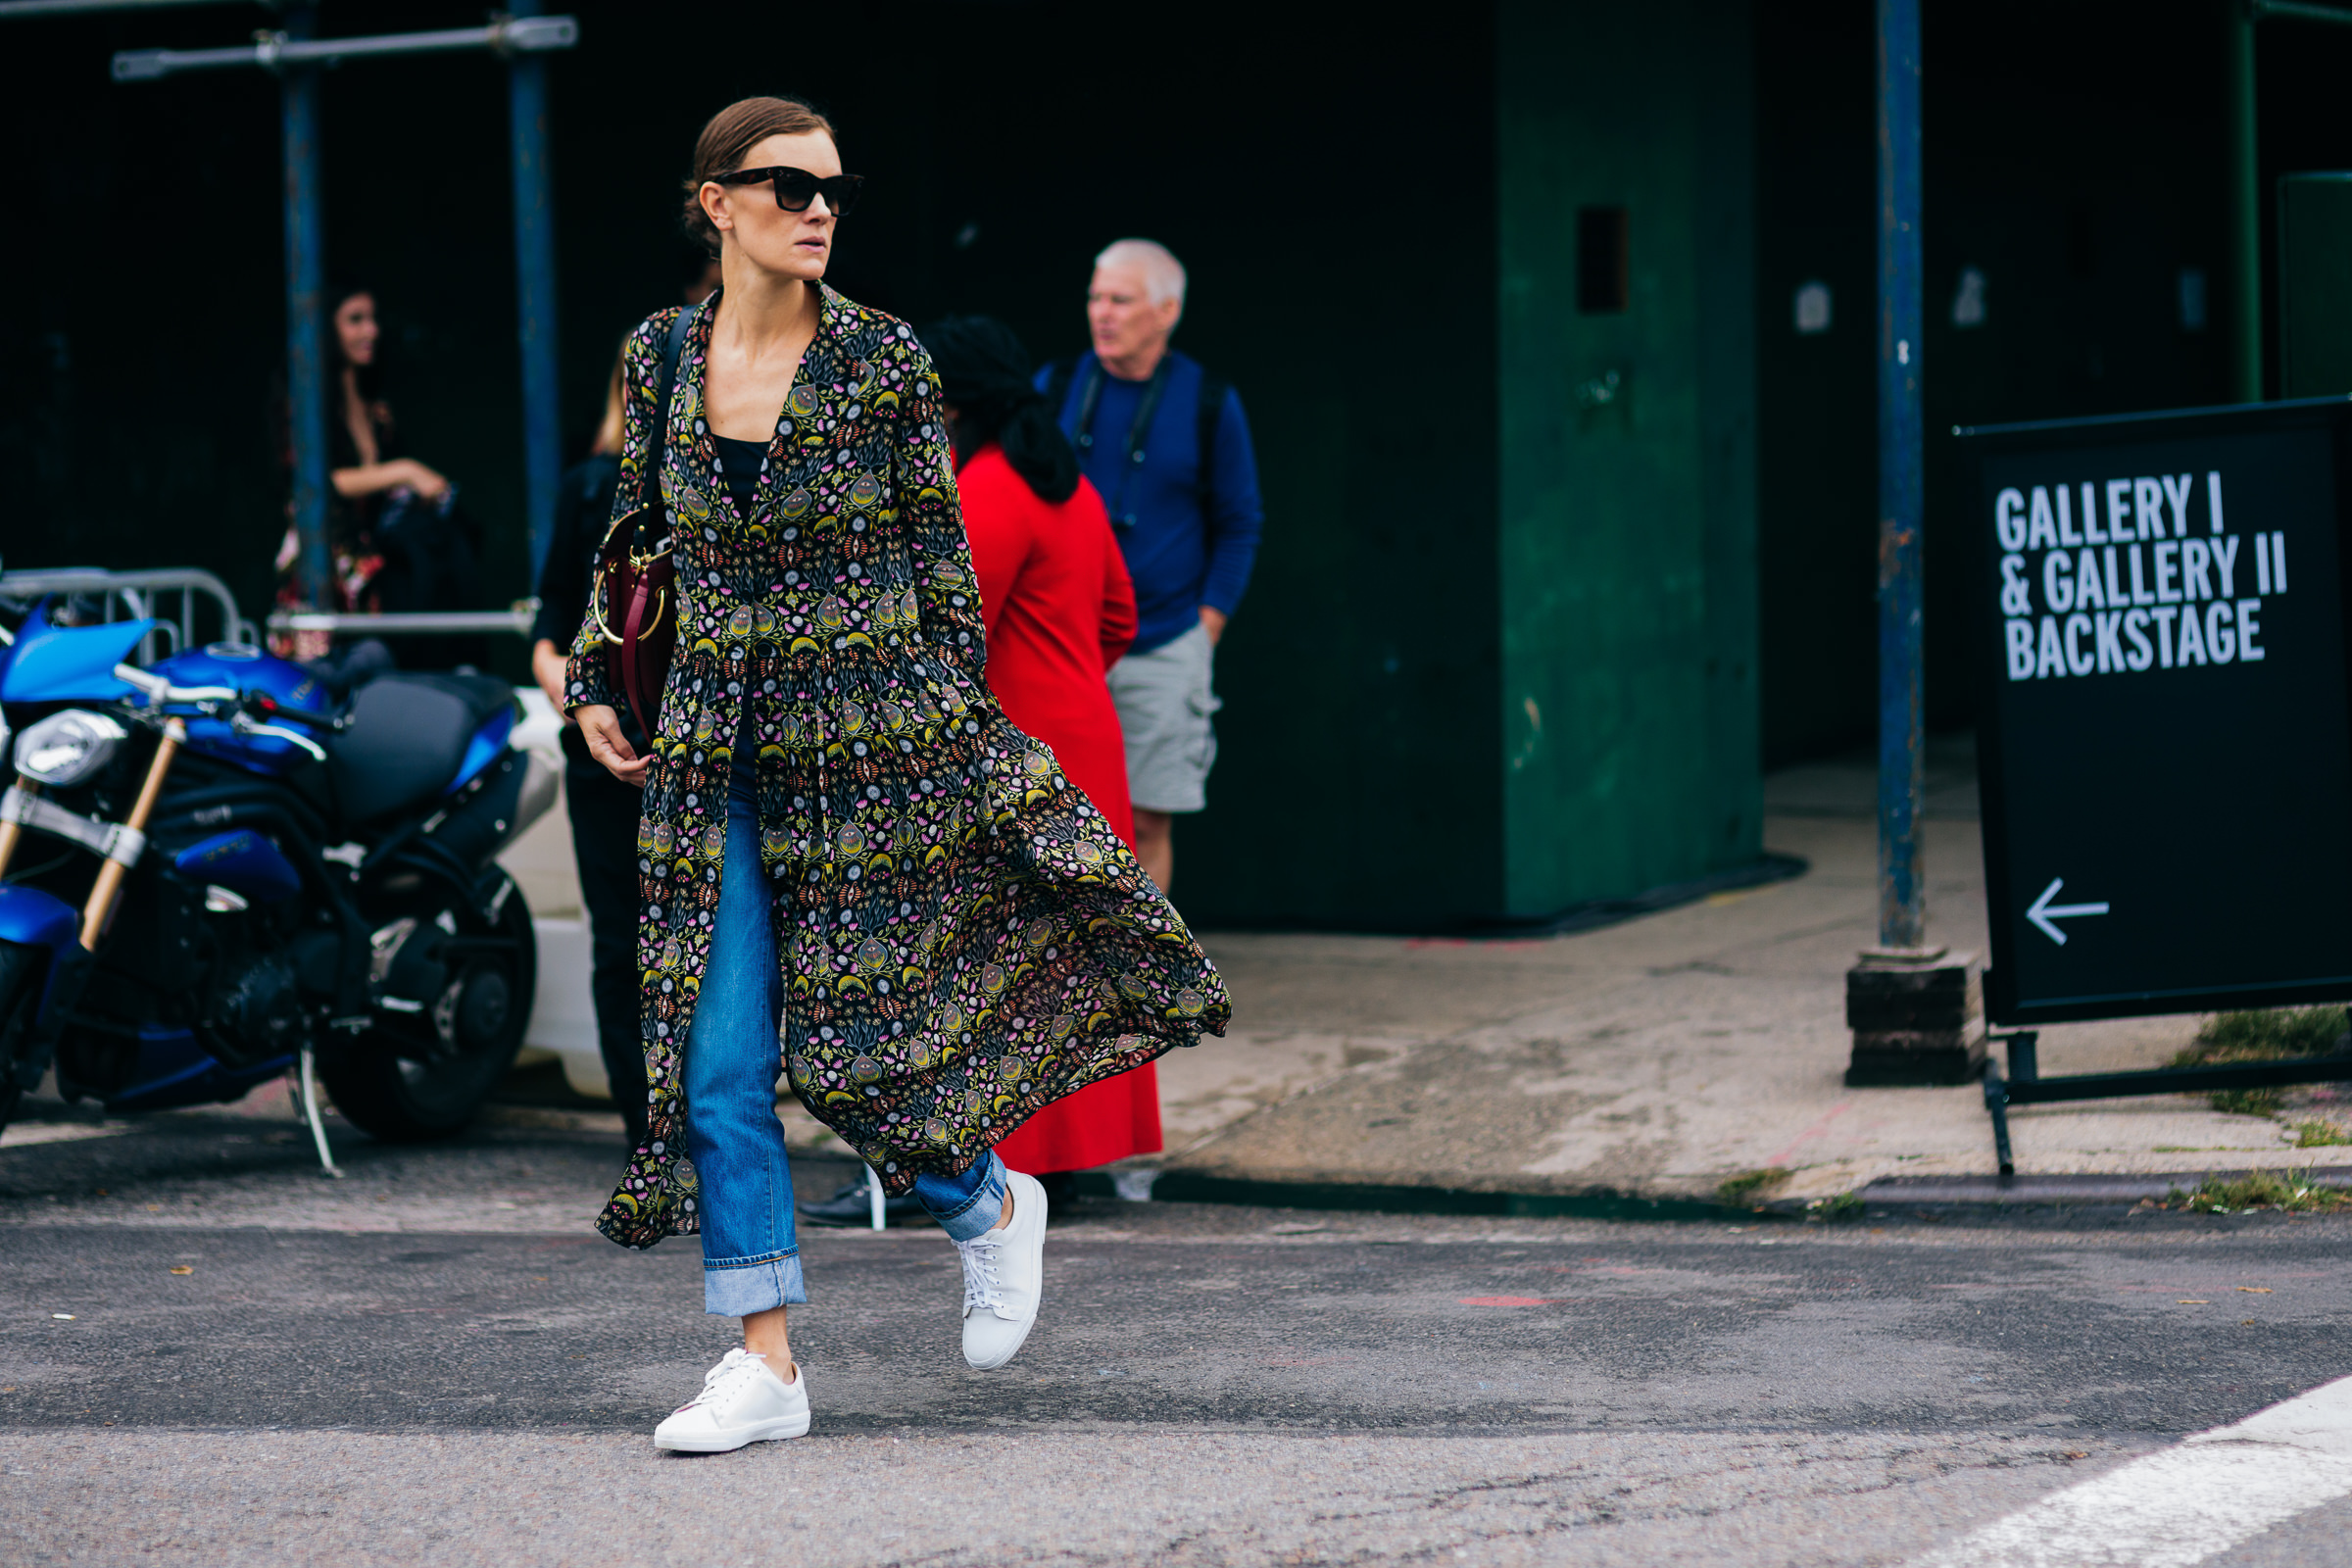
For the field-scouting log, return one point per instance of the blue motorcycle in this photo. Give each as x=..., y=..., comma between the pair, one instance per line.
x=215, y=870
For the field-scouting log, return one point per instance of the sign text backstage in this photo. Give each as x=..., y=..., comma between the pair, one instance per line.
x=2131, y=574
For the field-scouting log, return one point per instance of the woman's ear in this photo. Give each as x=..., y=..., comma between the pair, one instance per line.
x=714, y=197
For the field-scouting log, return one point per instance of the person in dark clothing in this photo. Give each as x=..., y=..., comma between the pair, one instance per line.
x=603, y=811
x=397, y=539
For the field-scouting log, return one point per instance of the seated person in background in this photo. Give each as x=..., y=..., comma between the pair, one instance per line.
x=395, y=538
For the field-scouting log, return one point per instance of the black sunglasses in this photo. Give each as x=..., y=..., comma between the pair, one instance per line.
x=795, y=188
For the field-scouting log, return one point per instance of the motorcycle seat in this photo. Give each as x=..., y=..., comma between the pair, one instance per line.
x=407, y=736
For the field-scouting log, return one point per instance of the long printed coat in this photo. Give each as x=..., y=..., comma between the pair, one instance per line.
x=963, y=937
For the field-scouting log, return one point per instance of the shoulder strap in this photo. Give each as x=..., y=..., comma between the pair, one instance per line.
x=649, y=484
x=1214, y=392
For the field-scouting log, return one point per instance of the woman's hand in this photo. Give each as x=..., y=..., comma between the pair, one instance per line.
x=601, y=727
x=401, y=473
x=427, y=484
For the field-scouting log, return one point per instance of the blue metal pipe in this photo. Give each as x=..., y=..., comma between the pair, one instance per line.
x=306, y=333
x=535, y=294
x=1902, y=909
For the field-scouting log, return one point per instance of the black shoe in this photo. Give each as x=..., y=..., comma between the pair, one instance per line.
x=1062, y=1188
x=854, y=1204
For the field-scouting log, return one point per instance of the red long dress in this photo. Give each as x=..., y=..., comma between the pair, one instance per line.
x=1059, y=611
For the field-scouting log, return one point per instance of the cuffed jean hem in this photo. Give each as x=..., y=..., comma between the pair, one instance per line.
x=738, y=1287
x=966, y=1205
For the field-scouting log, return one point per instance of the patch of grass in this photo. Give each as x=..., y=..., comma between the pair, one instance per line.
x=2262, y=1034
x=2266, y=1034
x=1843, y=1206
x=2312, y=1133
x=2293, y=1191
x=1745, y=1189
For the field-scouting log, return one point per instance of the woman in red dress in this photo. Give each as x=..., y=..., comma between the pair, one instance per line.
x=1059, y=611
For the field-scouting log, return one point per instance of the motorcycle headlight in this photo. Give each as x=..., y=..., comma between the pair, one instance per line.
x=63, y=749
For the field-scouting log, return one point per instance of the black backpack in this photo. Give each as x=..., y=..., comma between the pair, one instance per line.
x=1208, y=415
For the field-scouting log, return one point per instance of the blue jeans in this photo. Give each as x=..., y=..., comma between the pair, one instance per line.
x=750, y=1251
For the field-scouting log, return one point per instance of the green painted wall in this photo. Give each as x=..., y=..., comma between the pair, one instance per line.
x=1626, y=554
x=1353, y=304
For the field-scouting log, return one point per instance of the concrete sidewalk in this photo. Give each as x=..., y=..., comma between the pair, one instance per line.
x=1652, y=1059
x=1659, y=1056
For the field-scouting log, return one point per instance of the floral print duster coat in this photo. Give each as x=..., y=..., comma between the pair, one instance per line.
x=962, y=936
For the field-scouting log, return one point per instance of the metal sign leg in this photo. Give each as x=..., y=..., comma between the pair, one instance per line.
x=1996, y=1105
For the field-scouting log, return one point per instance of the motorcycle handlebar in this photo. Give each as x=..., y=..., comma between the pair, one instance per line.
x=156, y=689
x=255, y=705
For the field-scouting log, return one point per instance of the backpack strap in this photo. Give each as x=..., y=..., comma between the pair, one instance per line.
x=1214, y=392
x=1059, y=377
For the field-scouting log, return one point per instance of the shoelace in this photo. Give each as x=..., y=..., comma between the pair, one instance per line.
x=980, y=1256
x=730, y=1369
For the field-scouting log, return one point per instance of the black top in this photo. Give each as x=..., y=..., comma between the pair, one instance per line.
x=583, y=511
x=740, y=460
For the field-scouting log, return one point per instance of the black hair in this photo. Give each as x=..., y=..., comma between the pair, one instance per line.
x=984, y=373
x=371, y=377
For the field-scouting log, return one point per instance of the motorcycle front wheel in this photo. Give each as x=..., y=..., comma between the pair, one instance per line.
x=389, y=1089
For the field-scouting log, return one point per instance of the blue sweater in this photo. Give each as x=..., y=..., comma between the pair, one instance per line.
x=1178, y=559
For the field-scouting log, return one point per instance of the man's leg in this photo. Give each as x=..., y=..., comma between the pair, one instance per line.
x=1164, y=699
x=1155, y=845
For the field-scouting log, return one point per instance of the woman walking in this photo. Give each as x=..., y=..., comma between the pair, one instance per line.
x=1059, y=611
x=849, y=859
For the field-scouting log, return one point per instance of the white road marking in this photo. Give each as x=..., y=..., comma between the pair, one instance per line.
x=57, y=1132
x=2181, y=1506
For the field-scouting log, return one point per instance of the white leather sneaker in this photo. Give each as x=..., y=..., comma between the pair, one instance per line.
x=1003, y=1275
x=741, y=1401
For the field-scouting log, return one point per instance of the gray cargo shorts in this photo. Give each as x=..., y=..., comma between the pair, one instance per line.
x=1165, y=699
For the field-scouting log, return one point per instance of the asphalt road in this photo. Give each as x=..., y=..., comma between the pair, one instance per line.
x=435, y=1360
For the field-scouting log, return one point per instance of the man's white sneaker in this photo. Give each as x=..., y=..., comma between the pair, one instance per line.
x=741, y=1401
x=1003, y=1275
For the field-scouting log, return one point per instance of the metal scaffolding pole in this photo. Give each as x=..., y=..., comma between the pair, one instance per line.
x=535, y=293
x=306, y=326
x=2245, y=208
x=297, y=57
x=1902, y=912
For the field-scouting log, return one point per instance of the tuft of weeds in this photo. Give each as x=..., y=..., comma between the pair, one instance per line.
x=1748, y=1188
x=1843, y=1206
x=2262, y=1034
x=2314, y=1132
x=2293, y=1191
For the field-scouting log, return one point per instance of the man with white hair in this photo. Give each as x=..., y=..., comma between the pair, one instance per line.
x=1169, y=447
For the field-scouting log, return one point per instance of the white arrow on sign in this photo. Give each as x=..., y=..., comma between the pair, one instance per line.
x=2046, y=915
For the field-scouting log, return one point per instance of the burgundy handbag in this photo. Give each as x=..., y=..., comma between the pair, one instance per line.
x=635, y=593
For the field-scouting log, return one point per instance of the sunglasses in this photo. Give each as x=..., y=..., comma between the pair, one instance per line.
x=795, y=188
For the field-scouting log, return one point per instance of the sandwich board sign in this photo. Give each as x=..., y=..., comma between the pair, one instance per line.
x=2165, y=744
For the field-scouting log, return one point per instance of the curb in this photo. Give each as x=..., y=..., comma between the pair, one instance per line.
x=1184, y=1187
x=1912, y=1192
x=2126, y=1188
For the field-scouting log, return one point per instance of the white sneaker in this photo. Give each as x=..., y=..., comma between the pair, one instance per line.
x=741, y=1401
x=1003, y=1275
